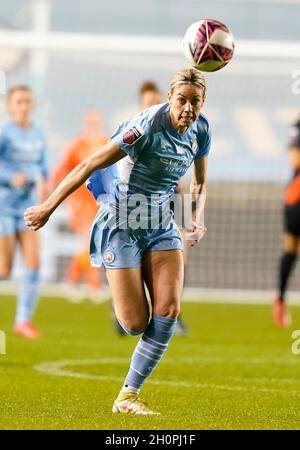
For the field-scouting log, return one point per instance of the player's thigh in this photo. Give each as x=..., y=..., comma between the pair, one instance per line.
x=7, y=248
x=185, y=247
x=129, y=297
x=291, y=243
x=30, y=247
x=163, y=272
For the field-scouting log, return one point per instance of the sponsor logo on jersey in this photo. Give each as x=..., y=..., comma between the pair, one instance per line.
x=180, y=150
x=132, y=135
x=109, y=256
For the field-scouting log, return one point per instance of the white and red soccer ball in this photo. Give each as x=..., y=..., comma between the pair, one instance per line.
x=208, y=44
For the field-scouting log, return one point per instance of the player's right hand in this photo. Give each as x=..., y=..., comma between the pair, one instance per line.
x=35, y=217
x=19, y=180
x=195, y=233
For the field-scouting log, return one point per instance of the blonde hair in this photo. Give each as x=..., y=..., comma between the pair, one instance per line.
x=188, y=76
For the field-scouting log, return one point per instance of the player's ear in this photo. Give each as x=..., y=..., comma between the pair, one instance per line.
x=169, y=95
x=202, y=99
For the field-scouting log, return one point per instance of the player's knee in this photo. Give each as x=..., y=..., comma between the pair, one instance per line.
x=172, y=311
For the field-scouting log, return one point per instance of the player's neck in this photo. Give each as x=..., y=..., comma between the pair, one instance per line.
x=180, y=129
x=23, y=123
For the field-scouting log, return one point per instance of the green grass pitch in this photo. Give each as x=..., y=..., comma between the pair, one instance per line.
x=235, y=370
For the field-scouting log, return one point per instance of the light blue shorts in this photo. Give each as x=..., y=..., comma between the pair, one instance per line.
x=10, y=224
x=116, y=248
x=12, y=207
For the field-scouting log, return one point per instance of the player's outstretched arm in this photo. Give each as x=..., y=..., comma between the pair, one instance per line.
x=198, y=191
x=36, y=216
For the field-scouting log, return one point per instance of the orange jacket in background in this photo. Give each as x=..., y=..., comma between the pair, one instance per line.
x=292, y=192
x=81, y=203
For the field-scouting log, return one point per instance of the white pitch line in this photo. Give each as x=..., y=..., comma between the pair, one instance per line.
x=56, y=368
x=266, y=380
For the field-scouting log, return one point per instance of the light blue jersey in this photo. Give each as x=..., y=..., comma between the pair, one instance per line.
x=157, y=156
x=22, y=150
x=103, y=183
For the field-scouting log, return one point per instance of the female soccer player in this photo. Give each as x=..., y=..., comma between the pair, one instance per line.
x=288, y=259
x=22, y=171
x=150, y=95
x=156, y=148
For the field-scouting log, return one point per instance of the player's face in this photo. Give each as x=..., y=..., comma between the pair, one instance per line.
x=20, y=107
x=186, y=102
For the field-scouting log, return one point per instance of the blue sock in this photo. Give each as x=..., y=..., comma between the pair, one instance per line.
x=28, y=296
x=149, y=350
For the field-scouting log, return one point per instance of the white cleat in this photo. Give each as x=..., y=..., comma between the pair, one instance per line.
x=129, y=403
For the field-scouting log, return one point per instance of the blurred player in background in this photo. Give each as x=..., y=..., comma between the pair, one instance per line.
x=82, y=207
x=147, y=146
x=292, y=230
x=150, y=95
x=23, y=178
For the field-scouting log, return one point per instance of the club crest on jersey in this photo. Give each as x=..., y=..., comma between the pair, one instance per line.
x=109, y=256
x=132, y=135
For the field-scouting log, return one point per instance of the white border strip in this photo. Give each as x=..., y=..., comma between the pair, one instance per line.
x=58, y=368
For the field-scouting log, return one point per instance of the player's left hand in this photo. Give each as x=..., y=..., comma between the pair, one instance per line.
x=35, y=217
x=195, y=233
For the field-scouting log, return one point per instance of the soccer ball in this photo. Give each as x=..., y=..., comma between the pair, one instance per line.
x=208, y=45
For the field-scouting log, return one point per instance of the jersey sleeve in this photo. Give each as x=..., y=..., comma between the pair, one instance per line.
x=204, y=144
x=103, y=181
x=132, y=135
